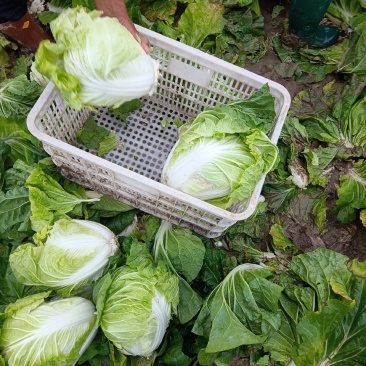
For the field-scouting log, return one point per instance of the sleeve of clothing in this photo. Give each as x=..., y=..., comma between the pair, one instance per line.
x=11, y=11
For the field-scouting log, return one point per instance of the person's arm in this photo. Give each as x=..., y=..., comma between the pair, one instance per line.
x=117, y=9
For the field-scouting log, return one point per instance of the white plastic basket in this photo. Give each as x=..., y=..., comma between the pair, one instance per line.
x=190, y=82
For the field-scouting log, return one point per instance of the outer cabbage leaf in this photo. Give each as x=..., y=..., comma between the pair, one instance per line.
x=255, y=112
x=199, y=20
x=322, y=324
x=14, y=209
x=354, y=58
x=347, y=343
x=353, y=127
x=159, y=9
x=345, y=9
x=314, y=330
x=183, y=253
x=17, y=96
x=342, y=128
x=308, y=65
x=242, y=38
x=352, y=192
x=95, y=61
x=36, y=332
x=317, y=161
x=322, y=269
x=97, y=137
x=49, y=197
x=319, y=211
x=241, y=310
x=184, y=249
x=23, y=145
x=324, y=130
x=4, y=153
x=174, y=355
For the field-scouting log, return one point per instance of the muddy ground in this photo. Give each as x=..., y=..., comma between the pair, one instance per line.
x=349, y=239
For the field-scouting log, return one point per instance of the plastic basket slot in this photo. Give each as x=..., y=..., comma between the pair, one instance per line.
x=205, y=231
x=181, y=94
x=203, y=216
x=77, y=173
x=147, y=203
x=161, y=55
x=94, y=177
x=135, y=201
x=200, y=220
x=63, y=161
x=74, y=175
x=203, y=220
x=190, y=222
x=128, y=200
x=63, y=126
x=186, y=212
x=126, y=190
x=225, y=89
x=76, y=160
x=189, y=71
x=107, y=190
x=107, y=173
x=179, y=217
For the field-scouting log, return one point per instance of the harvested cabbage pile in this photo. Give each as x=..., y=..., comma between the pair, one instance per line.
x=222, y=154
x=95, y=62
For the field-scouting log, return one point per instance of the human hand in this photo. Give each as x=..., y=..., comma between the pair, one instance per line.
x=117, y=9
x=144, y=42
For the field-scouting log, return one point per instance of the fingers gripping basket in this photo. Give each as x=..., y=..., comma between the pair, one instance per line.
x=190, y=82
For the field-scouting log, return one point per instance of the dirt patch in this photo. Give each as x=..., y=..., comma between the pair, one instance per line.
x=265, y=66
x=299, y=225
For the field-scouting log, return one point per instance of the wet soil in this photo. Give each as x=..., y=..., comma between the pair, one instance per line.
x=300, y=228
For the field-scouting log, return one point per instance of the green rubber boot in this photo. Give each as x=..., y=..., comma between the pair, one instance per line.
x=304, y=19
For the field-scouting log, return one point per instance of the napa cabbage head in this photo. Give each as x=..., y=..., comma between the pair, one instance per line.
x=37, y=332
x=135, y=303
x=222, y=154
x=68, y=256
x=95, y=60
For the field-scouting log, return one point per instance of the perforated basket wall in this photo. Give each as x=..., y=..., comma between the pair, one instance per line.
x=190, y=81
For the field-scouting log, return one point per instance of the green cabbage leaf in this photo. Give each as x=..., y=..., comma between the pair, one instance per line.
x=183, y=253
x=241, y=310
